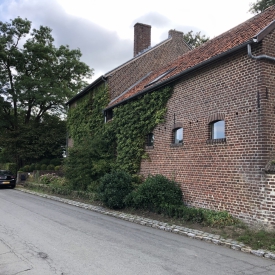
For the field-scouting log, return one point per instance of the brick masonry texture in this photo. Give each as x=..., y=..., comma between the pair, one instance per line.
x=216, y=81
x=228, y=175
x=126, y=75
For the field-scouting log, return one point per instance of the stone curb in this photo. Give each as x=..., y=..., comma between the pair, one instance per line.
x=191, y=233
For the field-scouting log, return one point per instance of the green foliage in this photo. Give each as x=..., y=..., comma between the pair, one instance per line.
x=26, y=168
x=86, y=118
x=198, y=215
x=32, y=167
x=37, y=166
x=55, y=162
x=87, y=162
x=52, y=179
x=100, y=147
x=155, y=192
x=218, y=218
x=132, y=122
x=50, y=167
x=36, y=80
x=188, y=214
x=258, y=239
x=260, y=5
x=113, y=189
x=9, y=166
x=43, y=167
x=195, y=39
x=93, y=152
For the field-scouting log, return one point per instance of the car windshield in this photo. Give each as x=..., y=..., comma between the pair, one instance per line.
x=5, y=172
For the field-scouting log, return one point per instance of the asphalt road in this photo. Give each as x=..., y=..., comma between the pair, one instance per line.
x=42, y=237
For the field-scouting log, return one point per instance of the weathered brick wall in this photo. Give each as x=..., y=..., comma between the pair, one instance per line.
x=228, y=175
x=127, y=75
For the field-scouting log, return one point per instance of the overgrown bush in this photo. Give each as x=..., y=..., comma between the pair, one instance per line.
x=87, y=162
x=32, y=167
x=52, y=179
x=43, y=167
x=26, y=168
x=50, y=167
x=55, y=162
x=198, y=215
x=218, y=218
x=155, y=192
x=113, y=189
x=37, y=166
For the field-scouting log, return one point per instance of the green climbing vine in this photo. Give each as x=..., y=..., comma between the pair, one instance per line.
x=85, y=119
x=100, y=147
x=133, y=121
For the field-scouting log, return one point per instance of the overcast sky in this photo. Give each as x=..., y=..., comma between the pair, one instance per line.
x=103, y=29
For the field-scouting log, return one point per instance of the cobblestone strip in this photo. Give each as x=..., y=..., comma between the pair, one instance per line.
x=191, y=233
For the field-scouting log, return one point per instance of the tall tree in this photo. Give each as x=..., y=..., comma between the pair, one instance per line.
x=195, y=39
x=36, y=78
x=260, y=6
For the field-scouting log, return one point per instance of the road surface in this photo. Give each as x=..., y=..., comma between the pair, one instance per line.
x=39, y=236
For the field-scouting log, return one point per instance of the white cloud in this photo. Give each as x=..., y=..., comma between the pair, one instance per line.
x=103, y=30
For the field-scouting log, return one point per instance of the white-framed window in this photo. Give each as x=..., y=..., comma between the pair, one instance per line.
x=217, y=129
x=178, y=136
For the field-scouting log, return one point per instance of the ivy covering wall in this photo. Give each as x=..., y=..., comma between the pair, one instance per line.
x=133, y=121
x=100, y=147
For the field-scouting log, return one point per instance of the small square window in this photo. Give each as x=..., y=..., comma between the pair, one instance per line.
x=217, y=129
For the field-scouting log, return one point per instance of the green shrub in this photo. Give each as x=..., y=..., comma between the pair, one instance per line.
x=55, y=162
x=183, y=212
x=43, y=167
x=45, y=161
x=46, y=179
x=88, y=162
x=50, y=167
x=113, y=189
x=26, y=168
x=32, y=167
x=155, y=192
x=37, y=166
x=57, y=168
x=218, y=218
x=52, y=179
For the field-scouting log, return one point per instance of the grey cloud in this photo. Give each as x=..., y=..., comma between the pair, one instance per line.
x=101, y=49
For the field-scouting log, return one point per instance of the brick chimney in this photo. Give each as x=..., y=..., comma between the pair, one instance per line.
x=142, y=37
x=175, y=34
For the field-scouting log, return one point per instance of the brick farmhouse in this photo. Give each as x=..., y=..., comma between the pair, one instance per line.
x=218, y=138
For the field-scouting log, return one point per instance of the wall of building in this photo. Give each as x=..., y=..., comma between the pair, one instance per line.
x=127, y=75
x=222, y=175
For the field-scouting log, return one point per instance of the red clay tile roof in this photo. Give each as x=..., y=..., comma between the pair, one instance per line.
x=219, y=45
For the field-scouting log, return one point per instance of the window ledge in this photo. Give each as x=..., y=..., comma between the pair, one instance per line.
x=176, y=144
x=216, y=141
x=149, y=147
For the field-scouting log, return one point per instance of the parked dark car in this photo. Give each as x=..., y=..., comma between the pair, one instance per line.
x=7, y=178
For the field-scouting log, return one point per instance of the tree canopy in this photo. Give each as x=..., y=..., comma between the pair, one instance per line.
x=36, y=80
x=260, y=5
x=195, y=39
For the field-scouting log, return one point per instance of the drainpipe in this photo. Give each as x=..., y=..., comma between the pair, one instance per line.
x=260, y=56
